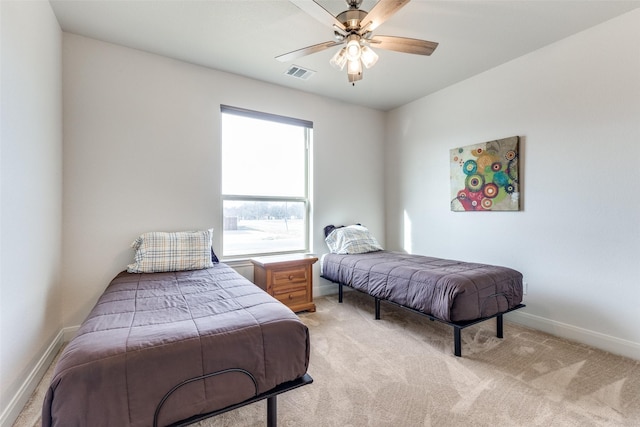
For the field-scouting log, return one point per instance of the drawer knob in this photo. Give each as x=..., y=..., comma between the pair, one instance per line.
x=291, y=277
x=290, y=296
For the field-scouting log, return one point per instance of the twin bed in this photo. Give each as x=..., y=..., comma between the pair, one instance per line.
x=460, y=294
x=179, y=337
x=171, y=348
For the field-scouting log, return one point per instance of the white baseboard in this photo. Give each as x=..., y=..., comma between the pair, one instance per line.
x=70, y=332
x=323, y=290
x=11, y=412
x=595, y=339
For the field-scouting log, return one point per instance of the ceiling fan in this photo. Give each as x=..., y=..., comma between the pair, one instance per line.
x=354, y=28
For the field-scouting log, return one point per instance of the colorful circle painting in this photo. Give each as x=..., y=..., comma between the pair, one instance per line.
x=484, y=177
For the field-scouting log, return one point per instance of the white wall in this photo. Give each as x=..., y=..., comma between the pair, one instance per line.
x=30, y=198
x=576, y=106
x=142, y=153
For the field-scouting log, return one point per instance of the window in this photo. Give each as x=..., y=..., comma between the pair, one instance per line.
x=265, y=183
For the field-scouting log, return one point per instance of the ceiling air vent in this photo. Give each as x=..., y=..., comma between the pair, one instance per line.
x=299, y=72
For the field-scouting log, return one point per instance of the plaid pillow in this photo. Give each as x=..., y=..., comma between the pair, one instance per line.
x=353, y=239
x=159, y=252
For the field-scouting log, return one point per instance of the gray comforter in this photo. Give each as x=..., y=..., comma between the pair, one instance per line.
x=452, y=291
x=149, y=332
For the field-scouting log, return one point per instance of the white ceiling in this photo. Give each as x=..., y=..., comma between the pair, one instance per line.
x=244, y=36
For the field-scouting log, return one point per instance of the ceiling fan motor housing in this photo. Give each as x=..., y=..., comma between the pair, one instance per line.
x=351, y=19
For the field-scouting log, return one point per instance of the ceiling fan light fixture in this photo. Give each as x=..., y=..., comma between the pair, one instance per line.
x=339, y=59
x=354, y=67
x=353, y=78
x=368, y=57
x=353, y=48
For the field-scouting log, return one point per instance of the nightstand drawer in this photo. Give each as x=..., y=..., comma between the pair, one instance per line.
x=291, y=296
x=288, y=276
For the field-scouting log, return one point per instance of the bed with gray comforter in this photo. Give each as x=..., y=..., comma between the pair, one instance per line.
x=454, y=292
x=211, y=335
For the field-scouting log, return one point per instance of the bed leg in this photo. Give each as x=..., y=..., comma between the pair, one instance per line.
x=272, y=411
x=377, y=308
x=339, y=292
x=457, y=342
x=499, y=326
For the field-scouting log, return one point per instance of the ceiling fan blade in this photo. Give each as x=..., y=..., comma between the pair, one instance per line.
x=307, y=51
x=380, y=13
x=403, y=44
x=320, y=13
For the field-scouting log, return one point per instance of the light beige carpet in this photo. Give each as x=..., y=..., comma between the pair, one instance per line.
x=400, y=371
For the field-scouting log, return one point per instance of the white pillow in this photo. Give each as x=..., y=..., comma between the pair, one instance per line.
x=352, y=239
x=159, y=251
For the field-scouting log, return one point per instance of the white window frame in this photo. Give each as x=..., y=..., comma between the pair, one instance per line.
x=306, y=199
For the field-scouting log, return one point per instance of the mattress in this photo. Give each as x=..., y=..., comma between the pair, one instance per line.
x=453, y=291
x=150, y=332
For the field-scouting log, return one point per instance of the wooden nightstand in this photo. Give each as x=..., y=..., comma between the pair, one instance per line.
x=288, y=278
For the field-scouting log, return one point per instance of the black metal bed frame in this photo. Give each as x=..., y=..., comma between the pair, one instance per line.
x=270, y=395
x=457, y=326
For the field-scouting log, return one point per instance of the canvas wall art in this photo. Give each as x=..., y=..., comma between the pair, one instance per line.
x=484, y=177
